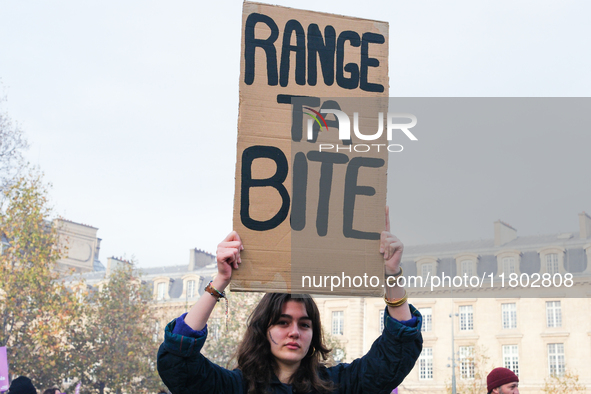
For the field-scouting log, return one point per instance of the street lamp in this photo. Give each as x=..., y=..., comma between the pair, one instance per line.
x=453, y=350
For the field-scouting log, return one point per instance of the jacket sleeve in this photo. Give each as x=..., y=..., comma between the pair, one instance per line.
x=185, y=370
x=387, y=363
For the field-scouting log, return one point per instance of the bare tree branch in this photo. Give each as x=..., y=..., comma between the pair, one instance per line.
x=12, y=145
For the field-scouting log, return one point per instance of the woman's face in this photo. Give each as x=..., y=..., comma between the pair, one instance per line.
x=291, y=336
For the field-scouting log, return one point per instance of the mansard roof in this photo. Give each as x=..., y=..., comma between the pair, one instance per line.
x=523, y=243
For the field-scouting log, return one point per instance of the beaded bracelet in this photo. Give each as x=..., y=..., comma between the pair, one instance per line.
x=215, y=292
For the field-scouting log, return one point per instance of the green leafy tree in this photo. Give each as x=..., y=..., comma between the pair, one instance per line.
x=338, y=353
x=567, y=383
x=478, y=363
x=115, y=350
x=225, y=334
x=36, y=308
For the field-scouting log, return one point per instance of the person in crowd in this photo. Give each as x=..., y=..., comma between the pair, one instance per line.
x=22, y=385
x=52, y=390
x=502, y=381
x=283, y=349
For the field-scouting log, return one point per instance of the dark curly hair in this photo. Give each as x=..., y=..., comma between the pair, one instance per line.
x=255, y=359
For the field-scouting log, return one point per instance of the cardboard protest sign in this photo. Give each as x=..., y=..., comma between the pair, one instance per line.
x=310, y=174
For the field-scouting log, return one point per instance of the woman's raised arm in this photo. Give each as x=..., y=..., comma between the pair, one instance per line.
x=392, y=248
x=228, y=259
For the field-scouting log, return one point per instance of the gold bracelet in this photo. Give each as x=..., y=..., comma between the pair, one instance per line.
x=396, y=302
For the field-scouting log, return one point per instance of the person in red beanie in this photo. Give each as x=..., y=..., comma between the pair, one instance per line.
x=502, y=381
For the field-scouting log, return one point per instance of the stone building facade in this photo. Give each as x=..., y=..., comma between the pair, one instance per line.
x=536, y=335
x=82, y=247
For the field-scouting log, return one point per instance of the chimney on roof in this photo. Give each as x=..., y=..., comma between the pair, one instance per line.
x=199, y=259
x=584, y=225
x=114, y=263
x=192, y=258
x=504, y=233
x=97, y=249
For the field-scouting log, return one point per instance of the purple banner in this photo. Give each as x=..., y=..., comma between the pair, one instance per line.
x=3, y=369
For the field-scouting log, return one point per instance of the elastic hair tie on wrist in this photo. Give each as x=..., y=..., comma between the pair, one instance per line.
x=395, y=275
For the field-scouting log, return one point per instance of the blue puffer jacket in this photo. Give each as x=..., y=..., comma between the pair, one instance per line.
x=185, y=370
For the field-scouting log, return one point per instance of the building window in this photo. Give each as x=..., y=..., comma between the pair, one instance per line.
x=339, y=355
x=338, y=320
x=80, y=294
x=156, y=331
x=466, y=264
x=426, y=270
x=556, y=359
x=552, y=260
x=213, y=327
x=161, y=291
x=511, y=358
x=190, y=288
x=382, y=320
x=509, y=315
x=552, y=263
x=553, y=314
x=466, y=318
x=467, y=362
x=467, y=268
x=508, y=265
x=426, y=364
x=427, y=319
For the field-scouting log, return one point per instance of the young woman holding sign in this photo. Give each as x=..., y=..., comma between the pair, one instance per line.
x=283, y=348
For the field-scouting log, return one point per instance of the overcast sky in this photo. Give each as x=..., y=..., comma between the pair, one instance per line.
x=131, y=108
